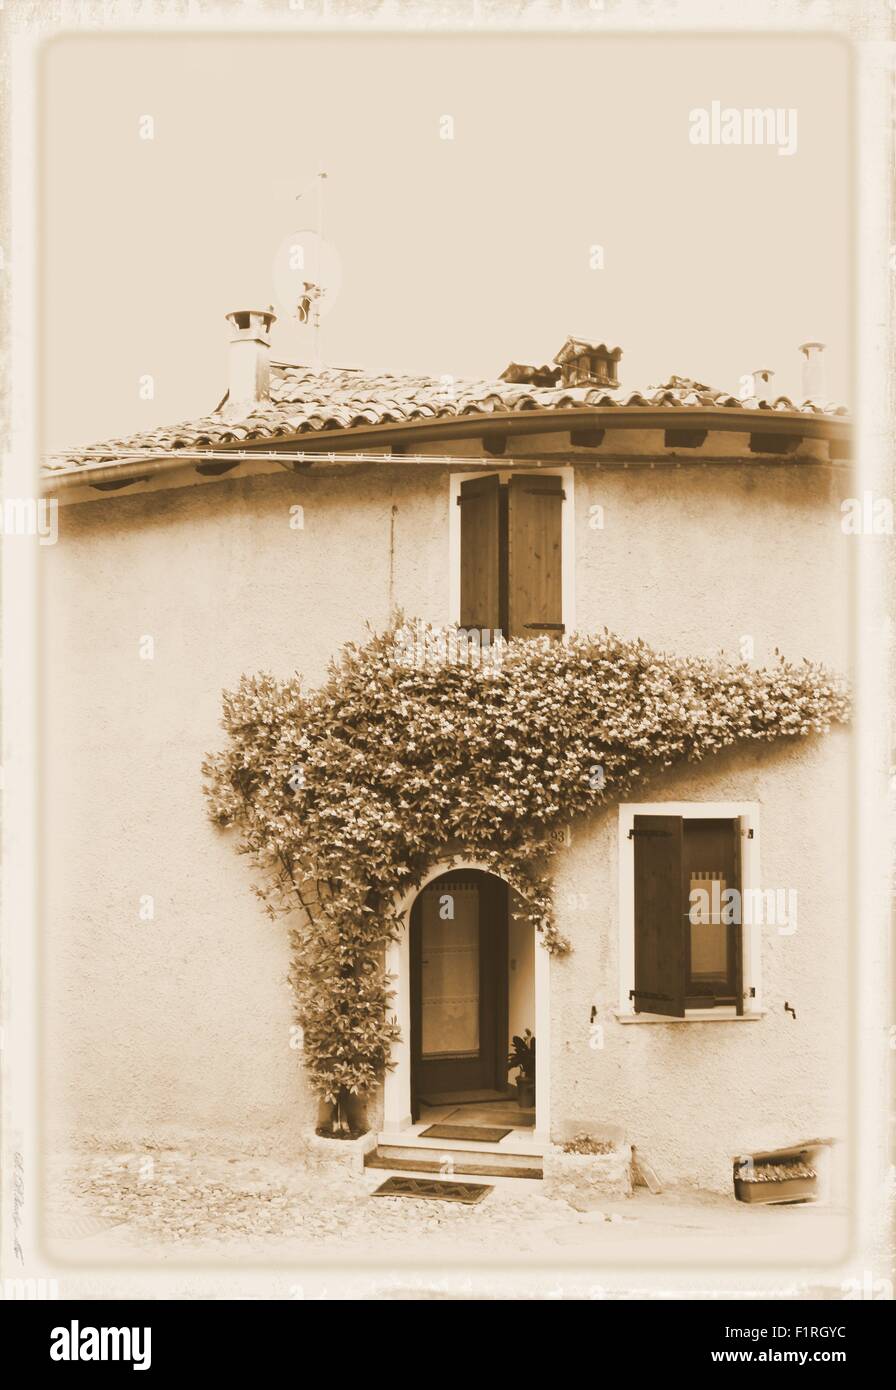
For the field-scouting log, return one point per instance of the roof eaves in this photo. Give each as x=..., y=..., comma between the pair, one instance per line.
x=527, y=416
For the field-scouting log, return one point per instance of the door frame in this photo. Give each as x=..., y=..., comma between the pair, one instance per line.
x=493, y=975
x=397, y=1083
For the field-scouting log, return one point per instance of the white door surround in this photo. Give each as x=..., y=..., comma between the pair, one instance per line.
x=397, y=1084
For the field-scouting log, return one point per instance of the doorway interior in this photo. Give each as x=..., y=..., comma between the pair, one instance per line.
x=472, y=987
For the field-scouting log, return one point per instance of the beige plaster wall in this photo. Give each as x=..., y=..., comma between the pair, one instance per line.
x=180, y=1026
x=692, y=1095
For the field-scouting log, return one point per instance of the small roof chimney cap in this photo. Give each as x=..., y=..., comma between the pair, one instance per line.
x=580, y=347
x=252, y=323
x=813, y=373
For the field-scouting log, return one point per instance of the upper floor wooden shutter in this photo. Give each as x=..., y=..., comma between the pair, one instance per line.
x=535, y=556
x=660, y=916
x=741, y=830
x=480, y=604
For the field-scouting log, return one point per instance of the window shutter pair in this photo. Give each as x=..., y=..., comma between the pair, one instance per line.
x=511, y=555
x=662, y=916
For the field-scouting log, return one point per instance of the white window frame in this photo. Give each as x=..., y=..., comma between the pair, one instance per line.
x=752, y=933
x=567, y=536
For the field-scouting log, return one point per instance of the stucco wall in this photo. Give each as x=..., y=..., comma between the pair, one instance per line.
x=692, y=1095
x=178, y=1028
x=694, y=559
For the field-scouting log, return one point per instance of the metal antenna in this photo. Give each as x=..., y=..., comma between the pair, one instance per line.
x=320, y=246
x=309, y=305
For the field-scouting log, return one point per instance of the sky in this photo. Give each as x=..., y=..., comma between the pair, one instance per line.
x=457, y=255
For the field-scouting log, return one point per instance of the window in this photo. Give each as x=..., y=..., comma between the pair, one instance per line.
x=511, y=554
x=688, y=929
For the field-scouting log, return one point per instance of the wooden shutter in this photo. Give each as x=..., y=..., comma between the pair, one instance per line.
x=661, y=915
x=534, y=562
x=741, y=829
x=479, y=502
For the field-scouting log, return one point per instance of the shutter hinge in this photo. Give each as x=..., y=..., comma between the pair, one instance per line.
x=750, y=833
x=473, y=496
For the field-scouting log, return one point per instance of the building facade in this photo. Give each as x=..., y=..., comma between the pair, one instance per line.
x=313, y=506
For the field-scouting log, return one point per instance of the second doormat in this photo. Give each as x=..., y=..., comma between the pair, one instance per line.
x=483, y=1134
x=467, y=1192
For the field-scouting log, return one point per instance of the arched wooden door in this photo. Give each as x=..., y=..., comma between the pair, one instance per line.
x=458, y=962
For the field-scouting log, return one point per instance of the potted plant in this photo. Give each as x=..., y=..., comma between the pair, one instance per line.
x=522, y=1060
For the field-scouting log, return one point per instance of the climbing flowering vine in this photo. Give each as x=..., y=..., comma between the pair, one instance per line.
x=347, y=795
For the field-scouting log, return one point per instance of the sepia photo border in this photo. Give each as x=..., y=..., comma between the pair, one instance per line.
x=870, y=31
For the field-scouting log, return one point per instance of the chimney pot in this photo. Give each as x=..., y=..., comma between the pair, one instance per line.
x=762, y=381
x=249, y=375
x=813, y=371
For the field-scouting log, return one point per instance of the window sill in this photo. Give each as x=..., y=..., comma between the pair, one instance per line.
x=693, y=1016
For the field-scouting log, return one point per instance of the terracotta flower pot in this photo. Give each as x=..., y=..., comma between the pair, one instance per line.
x=525, y=1092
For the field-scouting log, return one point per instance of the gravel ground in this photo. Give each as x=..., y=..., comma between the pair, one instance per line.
x=175, y=1200
x=176, y=1197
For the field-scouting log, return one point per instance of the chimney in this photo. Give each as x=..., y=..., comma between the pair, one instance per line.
x=813, y=371
x=588, y=364
x=250, y=357
x=762, y=382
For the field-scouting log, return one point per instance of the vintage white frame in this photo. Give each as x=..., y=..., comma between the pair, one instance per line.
x=864, y=28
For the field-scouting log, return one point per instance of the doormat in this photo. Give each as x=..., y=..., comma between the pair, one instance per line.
x=483, y=1134
x=467, y=1192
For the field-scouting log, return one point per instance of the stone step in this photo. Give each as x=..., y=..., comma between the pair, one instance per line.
x=400, y=1159
x=520, y=1144
x=502, y=1155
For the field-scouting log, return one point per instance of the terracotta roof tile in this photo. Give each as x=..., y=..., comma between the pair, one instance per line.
x=304, y=401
